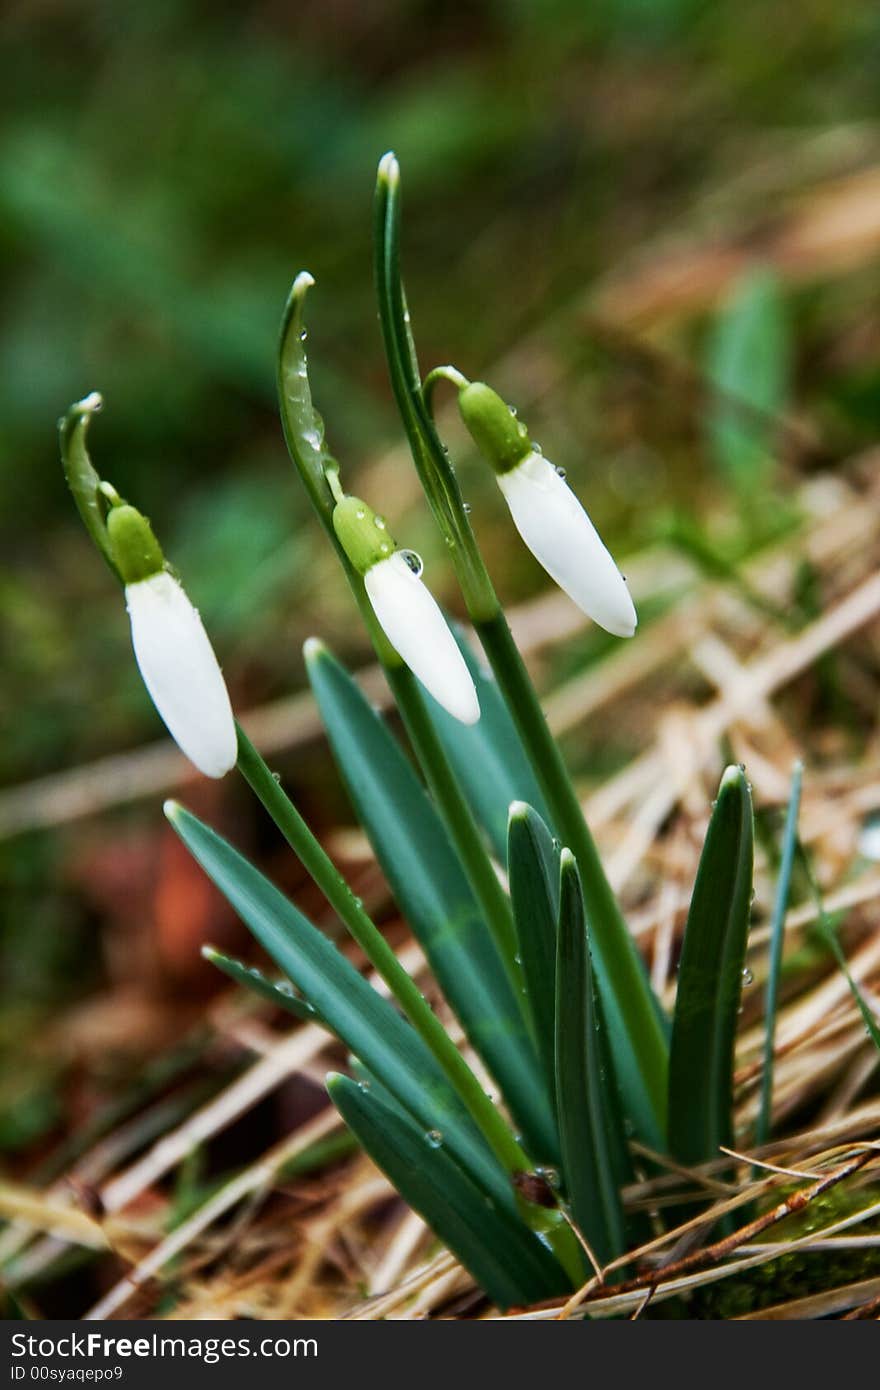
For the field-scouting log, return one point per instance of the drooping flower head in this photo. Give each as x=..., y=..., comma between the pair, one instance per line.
x=406, y=610
x=172, y=650
x=546, y=512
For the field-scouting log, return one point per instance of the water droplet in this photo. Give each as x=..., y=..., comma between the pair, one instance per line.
x=434, y=1138
x=748, y=977
x=303, y=335
x=560, y=473
x=413, y=561
x=467, y=508
x=363, y=1085
x=380, y=523
x=276, y=776
x=360, y=513
x=550, y=1176
x=384, y=547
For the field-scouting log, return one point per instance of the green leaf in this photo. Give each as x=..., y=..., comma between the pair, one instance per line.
x=710, y=979
x=533, y=870
x=637, y=1026
x=279, y=993
x=828, y=934
x=748, y=364
x=368, y=1025
x=594, y=1153
x=417, y=858
x=777, y=939
x=504, y=1257
x=487, y=757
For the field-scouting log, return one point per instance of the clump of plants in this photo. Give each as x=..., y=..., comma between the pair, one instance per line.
x=523, y=1181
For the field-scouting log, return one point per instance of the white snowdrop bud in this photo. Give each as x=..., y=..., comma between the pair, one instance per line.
x=173, y=653
x=547, y=514
x=406, y=610
x=564, y=540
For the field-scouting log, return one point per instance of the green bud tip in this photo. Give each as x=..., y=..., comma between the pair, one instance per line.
x=733, y=777
x=135, y=551
x=494, y=428
x=567, y=861
x=313, y=650
x=363, y=535
x=389, y=169
x=171, y=809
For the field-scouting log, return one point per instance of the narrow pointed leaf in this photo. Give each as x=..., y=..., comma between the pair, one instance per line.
x=777, y=940
x=504, y=1257
x=368, y=1024
x=594, y=1155
x=533, y=870
x=637, y=1026
x=488, y=758
x=710, y=980
x=430, y=888
x=279, y=993
x=827, y=932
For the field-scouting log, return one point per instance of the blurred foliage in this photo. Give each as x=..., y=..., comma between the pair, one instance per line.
x=166, y=169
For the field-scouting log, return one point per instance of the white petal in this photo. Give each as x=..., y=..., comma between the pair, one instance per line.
x=564, y=540
x=181, y=673
x=417, y=630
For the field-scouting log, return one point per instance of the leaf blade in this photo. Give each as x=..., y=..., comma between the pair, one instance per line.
x=594, y=1154
x=369, y=1026
x=710, y=980
x=505, y=1259
x=533, y=871
x=428, y=884
x=487, y=757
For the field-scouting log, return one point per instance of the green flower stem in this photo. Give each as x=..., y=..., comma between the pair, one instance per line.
x=304, y=435
x=434, y=377
x=371, y=941
x=434, y=469
x=547, y=1222
x=633, y=1013
x=494, y=902
x=630, y=1004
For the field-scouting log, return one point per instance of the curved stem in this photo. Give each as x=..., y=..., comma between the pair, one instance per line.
x=447, y=373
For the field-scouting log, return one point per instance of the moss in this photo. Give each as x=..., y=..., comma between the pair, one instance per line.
x=798, y=1273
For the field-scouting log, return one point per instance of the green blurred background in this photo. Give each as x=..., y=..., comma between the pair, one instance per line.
x=166, y=169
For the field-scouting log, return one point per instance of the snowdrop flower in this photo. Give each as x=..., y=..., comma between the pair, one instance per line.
x=407, y=612
x=173, y=653
x=547, y=514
